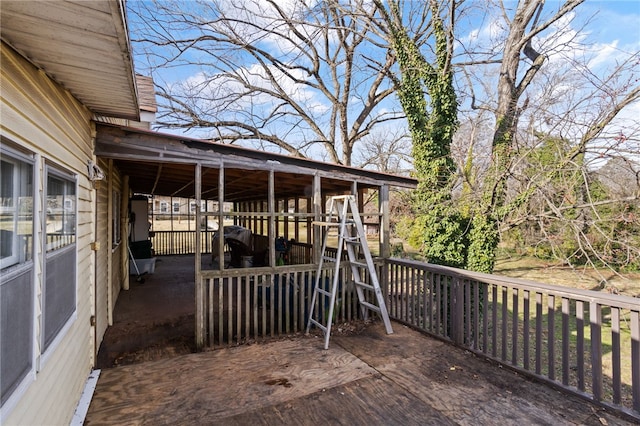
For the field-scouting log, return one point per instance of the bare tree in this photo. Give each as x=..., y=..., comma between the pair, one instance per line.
x=304, y=78
x=557, y=119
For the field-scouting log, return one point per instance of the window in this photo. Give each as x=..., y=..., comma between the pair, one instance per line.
x=16, y=211
x=16, y=274
x=192, y=206
x=164, y=207
x=176, y=207
x=60, y=259
x=115, y=218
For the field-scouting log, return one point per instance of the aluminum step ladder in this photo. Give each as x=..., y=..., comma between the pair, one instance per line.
x=343, y=214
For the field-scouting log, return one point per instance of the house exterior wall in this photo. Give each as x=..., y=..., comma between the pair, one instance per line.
x=110, y=268
x=45, y=119
x=102, y=257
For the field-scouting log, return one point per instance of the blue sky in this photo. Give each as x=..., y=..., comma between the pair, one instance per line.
x=611, y=28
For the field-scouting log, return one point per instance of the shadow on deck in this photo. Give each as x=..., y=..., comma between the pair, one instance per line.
x=366, y=376
x=155, y=318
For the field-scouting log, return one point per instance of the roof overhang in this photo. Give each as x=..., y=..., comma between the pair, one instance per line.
x=162, y=164
x=84, y=46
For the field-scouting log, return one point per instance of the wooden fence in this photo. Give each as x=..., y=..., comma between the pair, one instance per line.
x=242, y=305
x=582, y=341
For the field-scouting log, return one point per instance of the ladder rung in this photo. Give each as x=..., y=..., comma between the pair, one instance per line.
x=352, y=240
x=326, y=223
x=325, y=292
x=370, y=306
x=365, y=285
x=361, y=264
x=328, y=259
x=317, y=324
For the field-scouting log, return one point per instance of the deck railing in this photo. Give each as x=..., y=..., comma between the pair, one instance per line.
x=582, y=341
x=169, y=243
x=586, y=342
x=242, y=305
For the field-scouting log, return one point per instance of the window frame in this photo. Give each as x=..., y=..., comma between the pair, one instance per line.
x=14, y=269
x=49, y=345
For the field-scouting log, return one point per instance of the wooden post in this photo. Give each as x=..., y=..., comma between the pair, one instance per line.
x=385, y=234
x=309, y=226
x=296, y=219
x=272, y=222
x=200, y=324
x=124, y=232
x=595, y=314
x=221, y=218
x=109, y=242
x=317, y=216
x=285, y=203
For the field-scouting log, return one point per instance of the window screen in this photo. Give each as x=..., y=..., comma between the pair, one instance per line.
x=60, y=260
x=16, y=326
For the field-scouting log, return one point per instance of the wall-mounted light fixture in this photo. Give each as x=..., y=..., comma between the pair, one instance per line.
x=95, y=173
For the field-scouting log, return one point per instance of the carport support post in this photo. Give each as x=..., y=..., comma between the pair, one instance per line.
x=198, y=259
x=221, y=218
x=124, y=232
x=317, y=216
x=385, y=233
x=273, y=232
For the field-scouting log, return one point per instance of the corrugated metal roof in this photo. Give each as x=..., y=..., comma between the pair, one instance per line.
x=82, y=45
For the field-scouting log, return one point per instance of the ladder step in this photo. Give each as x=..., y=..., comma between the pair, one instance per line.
x=370, y=306
x=364, y=285
x=326, y=223
x=352, y=240
x=325, y=292
x=361, y=264
x=328, y=259
x=317, y=324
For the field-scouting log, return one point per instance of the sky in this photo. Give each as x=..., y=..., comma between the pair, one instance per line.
x=611, y=29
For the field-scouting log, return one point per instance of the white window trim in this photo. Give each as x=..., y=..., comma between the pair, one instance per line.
x=46, y=354
x=12, y=156
x=19, y=392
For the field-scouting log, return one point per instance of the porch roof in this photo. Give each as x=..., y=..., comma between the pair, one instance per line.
x=163, y=164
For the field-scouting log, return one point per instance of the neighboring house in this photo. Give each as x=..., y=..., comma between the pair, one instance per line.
x=64, y=65
x=163, y=207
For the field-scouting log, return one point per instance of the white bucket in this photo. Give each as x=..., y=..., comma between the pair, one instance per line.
x=247, y=261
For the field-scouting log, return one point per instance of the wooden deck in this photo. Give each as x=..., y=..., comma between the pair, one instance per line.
x=364, y=378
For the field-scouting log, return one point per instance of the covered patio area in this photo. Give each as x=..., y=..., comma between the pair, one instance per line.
x=366, y=377
x=584, y=342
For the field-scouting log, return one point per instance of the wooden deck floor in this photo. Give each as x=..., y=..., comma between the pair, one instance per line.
x=368, y=378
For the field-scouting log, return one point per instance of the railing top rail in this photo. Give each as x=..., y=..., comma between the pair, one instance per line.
x=625, y=302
